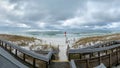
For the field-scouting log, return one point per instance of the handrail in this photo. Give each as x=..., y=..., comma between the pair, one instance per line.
x=89, y=50
x=99, y=60
x=92, y=56
x=93, y=50
x=30, y=53
x=45, y=58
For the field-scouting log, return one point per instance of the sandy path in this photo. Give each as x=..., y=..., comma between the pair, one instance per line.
x=62, y=46
x=62, y=53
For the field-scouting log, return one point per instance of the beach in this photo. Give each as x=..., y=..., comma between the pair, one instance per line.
x=61, y=43
x=57, y=39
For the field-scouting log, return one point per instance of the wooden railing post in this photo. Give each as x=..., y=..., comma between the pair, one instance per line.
x=87, y=63
x=2, y=43
x=34, y=63
x=106, y=52
x=23, y=57
x=110, y=61
x=99, y=58
x=90, y=55
x=80, y=55
x=46, y=64
x=69, y=56
x=10, y=50
x=117, y=55
x=16, y=52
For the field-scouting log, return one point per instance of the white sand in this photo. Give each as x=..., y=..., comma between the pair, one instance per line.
x=62, y=46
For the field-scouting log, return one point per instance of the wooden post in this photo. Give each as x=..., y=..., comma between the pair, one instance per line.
x=106, y=52
x=2, y=43
x=117, y=55
x=10, y=49
x=90, y=55
x=87, y=63
x=80, y=56
x=5, y=46
x=23, y=56
x=99, y=58
x=69, y=56
x=47, y=65
x=16, y=52
x=110, y=61
x=34, y=63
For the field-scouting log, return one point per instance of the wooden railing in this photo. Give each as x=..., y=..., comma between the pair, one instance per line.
x=108, y=60
x=93, y=49
x=35, y=60
x=89, y=58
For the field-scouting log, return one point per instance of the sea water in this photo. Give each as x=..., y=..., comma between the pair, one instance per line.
x=60, y=33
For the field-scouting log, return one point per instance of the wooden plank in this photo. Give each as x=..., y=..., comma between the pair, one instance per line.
x=110, y=61
x=23, y=57
x=87, y=63
x=34, y=63
x=16, y=52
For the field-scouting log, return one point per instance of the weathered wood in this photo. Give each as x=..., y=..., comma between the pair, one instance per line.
x=23, y=57
x=110, y=61
x=5, y=46
x=34, y=63
x=80, y=55
x=40, y=57
x=10, y=49
x=106, y=52
x=87, y=63
x=99, y=57
x=16, y=52
x=69, y=56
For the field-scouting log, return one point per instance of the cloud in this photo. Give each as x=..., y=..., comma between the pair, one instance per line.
x=60, y=14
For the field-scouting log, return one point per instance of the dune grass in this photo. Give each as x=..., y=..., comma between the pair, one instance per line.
x=26, y=41
x=16, y=37
x=94, y=39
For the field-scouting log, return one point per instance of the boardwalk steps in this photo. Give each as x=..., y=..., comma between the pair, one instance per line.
x=59, y=65
x=108, y=54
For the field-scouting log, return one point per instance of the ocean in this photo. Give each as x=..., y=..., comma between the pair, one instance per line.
x=60, y=33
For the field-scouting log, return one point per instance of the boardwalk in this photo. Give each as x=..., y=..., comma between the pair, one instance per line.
x=8, y=61
x=60, y=65
x=107, y=53
x=4, y=63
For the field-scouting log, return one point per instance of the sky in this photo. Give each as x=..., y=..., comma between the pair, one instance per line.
x=59, y=14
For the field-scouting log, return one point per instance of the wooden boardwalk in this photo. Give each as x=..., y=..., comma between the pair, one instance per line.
x=107, y=53
x=59, y=65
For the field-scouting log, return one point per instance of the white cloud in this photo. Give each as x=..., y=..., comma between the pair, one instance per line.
x=41, y=24
x=21, y=25
x=6, y=5
x=43, y=14
x=113, y=25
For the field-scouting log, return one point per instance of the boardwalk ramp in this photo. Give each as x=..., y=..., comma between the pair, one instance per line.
x=59, y=65
x=8, y=61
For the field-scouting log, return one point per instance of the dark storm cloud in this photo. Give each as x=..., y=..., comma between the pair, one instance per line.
x=60, y=14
